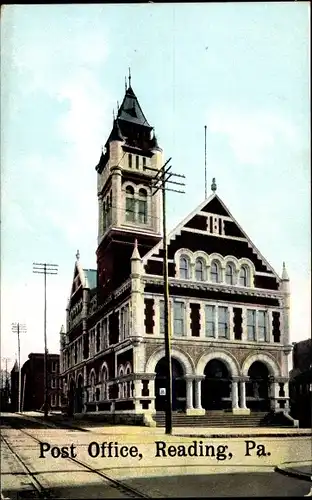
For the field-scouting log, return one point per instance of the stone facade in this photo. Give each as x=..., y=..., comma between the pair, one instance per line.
x=228, y=309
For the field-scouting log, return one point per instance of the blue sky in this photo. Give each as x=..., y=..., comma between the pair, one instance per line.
x=242, y=69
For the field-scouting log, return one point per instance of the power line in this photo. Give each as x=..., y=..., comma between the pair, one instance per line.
x=40, y=268
x=19, y=328
x=160, y=182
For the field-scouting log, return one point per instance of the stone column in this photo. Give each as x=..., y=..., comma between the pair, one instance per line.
x=197, y=410
x=189, y=393
x=137, y=393
x=242, y=403
x=234, y=394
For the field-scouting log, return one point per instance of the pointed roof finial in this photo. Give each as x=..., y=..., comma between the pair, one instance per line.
x=117, y=106
x=113, y=114
x=125, y=84
x=77, y=255
x=135, y=253
x=285, y=276
x=214, y=185
x=129, y=77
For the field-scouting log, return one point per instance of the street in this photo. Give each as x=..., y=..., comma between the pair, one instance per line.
x=80, y=475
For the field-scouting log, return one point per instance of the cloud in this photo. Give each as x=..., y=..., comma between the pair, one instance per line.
x=253, y=135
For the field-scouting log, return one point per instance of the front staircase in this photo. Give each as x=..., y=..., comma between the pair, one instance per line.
x=220, y=418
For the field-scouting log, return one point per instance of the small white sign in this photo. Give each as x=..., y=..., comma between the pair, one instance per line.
x=162, y=391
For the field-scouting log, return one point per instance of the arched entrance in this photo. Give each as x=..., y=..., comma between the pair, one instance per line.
x=71, y=397
x=257, y=388
x=79, y=395
x=178, y=386
x=216, y=392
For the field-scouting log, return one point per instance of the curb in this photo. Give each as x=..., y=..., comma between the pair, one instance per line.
x=292, y=472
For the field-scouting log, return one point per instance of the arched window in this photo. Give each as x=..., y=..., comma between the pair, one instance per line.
x=199, y=270
x=92, y=388
x=229, y=274
x=130, y=160
x=184, y=268
x=104, y=383
x=121, y=384
x=130, y=204
x=142, y=208
x=243, y=276
x=215, y=272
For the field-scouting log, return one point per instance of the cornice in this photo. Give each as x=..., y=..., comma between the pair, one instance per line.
x=213, y=287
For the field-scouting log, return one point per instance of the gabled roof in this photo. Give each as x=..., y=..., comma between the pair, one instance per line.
x=82, y=278
x=212, y=205
x=131, y=111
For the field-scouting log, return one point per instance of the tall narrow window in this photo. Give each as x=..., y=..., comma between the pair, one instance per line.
x=161, y=317
x=199, y=270
x=142, y=209
x=144, y=163
x=210, y=321
x=137, y=162
x=262, y=320
x=129, y=160
x=251, y=324
x=178, y=318
x=121, y=324
x=184, y=268
x=223, y=322
x=130, y=204
x=229, y=274
x=215, y=272
x=243, y=276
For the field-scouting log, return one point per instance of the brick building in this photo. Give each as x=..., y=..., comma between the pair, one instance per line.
x=300, y=384
x=229, y=309
x=32, y=378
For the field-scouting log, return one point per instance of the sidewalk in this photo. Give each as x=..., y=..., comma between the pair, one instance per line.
x=300, y=470
x=55, y=420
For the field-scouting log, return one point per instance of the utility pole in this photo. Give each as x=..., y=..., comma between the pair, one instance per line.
x=160, y=181
x=45, y=269
x=18, y=328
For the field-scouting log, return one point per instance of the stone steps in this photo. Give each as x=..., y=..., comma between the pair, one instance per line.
x=217, y=419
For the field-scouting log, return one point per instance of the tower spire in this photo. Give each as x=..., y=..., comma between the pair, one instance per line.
x=125, y=84
x=129, y=77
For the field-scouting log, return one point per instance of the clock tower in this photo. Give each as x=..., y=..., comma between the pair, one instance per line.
x=126, y=208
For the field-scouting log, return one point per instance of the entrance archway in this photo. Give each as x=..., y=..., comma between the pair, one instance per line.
x=216, y=392
x=257, y=388
x=79, y=395
x=178, y=385
x=71, y=397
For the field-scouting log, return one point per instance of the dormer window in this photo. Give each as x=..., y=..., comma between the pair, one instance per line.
x=229, y=274
x=243, y=276
x=184, y=268
x=215, y=272
x=199, y=270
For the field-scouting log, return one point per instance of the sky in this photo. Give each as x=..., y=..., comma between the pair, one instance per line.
x=241, y=69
